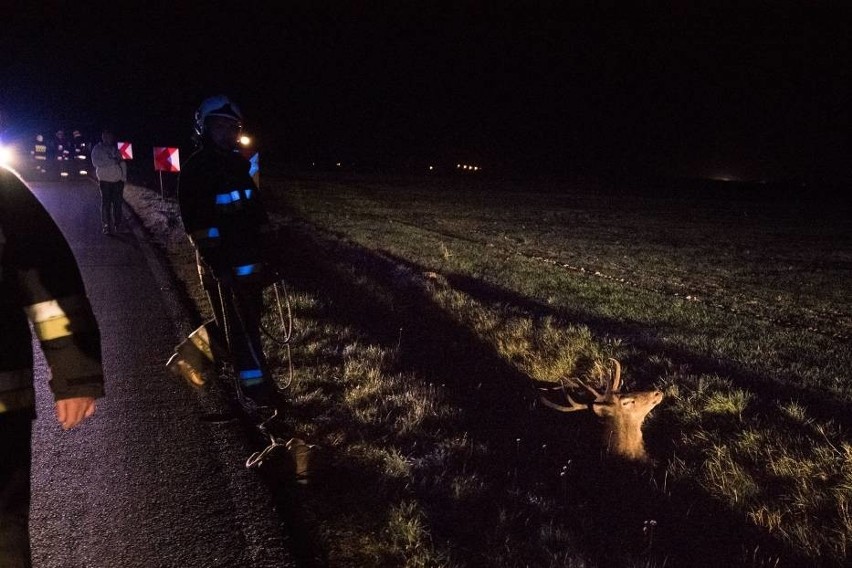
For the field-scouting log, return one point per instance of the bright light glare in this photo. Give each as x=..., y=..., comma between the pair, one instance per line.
x=7, y=155
x=245, y=140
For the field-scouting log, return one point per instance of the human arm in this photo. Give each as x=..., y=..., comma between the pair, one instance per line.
x=41, y=277
x=199, y=183
x=102, y=157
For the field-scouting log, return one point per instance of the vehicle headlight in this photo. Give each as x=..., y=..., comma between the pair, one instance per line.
x=7, y=155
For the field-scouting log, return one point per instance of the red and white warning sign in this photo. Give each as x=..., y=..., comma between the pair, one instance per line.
x=126, y=150
x=166, y=159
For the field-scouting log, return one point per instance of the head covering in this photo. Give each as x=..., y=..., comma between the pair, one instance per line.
x=218, y=105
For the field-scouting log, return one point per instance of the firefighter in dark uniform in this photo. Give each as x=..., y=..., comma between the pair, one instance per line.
x=40, y=155
x=62, y=154
x=40, y=285
x=80, y=153
x=225, y=219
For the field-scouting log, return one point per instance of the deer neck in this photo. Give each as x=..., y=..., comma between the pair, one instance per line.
x=623, y=438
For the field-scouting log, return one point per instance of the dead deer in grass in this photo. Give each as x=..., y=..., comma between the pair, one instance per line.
x=621, y=414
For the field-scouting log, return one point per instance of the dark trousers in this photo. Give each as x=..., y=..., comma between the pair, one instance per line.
x=237, y=309
x=15, y=460
x=112, y=199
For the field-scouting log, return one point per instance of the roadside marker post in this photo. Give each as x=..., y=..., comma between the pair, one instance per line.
x=166, y=160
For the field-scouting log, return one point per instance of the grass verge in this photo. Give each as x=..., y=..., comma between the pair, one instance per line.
x=425, y=311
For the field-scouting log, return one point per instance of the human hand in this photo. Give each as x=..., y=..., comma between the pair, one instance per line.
x=72, y=411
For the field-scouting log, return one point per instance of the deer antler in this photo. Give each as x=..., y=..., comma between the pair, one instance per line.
x=614, y=383
x=579, y=383
x=572, y=404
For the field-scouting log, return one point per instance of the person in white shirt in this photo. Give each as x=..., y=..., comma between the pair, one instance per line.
x=111, y=171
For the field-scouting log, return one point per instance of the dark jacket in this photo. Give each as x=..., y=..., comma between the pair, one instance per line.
x=222, y=212
x=40, y=284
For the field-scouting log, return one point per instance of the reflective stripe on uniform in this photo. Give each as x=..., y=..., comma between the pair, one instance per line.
x=227, y=198
x=251, y=377
x=49, y=319
x=17, y=379
x=205, y=236
x=247, y=269
x=234, y=197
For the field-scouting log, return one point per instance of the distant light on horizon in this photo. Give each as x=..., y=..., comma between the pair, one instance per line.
x=724, y=177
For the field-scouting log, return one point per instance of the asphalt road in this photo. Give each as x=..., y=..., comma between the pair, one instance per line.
x=147, y=482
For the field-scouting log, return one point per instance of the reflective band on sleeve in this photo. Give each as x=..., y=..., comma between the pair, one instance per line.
x=50, y=321
x=251, y=377
x=234, y=196
x=50, y=309
x=53, y=328
x=18, y=379
x=227, y=198
x=246, y=269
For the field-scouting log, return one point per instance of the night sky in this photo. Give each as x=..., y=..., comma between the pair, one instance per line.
x=741, y=90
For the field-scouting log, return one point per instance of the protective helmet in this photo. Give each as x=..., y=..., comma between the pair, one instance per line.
x=39, y=138
x=219, y=105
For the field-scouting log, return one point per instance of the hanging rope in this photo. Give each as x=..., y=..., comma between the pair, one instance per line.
x=257, y=458
x=249, y=406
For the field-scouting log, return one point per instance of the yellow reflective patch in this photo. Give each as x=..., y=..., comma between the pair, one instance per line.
x=53, y=328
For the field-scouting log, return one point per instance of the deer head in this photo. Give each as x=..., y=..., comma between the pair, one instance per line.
x=621, y=414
